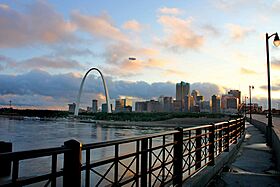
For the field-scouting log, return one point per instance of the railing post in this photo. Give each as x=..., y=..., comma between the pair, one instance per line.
x=212, y=145
x=221, y=138
x=72, y=164
x=178, y=158
x=227, y=137
x=5, y=164
x=144, y=162
x=234, y=131
x=198, y=149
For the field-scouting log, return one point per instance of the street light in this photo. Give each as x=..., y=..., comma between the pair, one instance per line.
x=276, y=42
x=245, y=107
x=250, y=90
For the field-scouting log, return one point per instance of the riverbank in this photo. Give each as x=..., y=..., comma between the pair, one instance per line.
x=175, y=122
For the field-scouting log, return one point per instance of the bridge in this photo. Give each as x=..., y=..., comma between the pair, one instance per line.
x=183, y=157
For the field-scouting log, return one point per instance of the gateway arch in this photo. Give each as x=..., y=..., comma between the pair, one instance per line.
x=81, y=89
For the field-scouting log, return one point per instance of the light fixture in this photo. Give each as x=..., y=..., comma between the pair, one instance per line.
x=276, y=40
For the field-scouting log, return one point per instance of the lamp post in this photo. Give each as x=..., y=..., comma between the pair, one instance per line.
x=276, y=42
x=250, y=95
x=245, y=107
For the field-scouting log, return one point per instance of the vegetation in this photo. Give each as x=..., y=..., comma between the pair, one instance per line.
x=122, y=116
x=158, y=116
x=34, y=113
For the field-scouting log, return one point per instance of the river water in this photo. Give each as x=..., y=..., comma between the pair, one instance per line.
x=36, y=134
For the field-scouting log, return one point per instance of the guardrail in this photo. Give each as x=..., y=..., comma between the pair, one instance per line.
x=160, y=159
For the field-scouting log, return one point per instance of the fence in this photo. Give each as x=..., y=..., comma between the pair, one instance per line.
x=161, y=159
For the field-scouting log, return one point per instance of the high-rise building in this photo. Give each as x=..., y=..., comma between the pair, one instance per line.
x=141, y=106
x=120, y=105
x=72, y=107
x=189, y=103
x=205, y=106
x=229, y=103
x=216, y=104
x=153, y=106
x=237, y=94
x=182, y=90
x=199, y=99
x=104, y=107
x=94, y=106
x=195, y=93
x=167, y=104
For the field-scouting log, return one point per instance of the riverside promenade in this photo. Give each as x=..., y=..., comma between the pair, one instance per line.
x=255, y=162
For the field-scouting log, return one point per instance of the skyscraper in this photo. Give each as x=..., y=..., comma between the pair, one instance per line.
x=94, y=106
x=182, y=90
x=216, y=104
x=237, y=94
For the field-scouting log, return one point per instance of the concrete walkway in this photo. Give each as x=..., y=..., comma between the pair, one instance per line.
x=253, y=165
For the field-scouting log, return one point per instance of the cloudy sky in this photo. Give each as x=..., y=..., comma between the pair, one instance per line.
x=216, y=45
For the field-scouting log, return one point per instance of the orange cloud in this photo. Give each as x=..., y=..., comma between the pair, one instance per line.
x=166, y=10
x=133, y=25
x=179, y=34
x=98, y=26
x=247, y=71
x=39, y=22
x=238, y=32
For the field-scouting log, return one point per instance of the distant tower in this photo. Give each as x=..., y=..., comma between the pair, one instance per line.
x=237, y=94
x=195, y=93
x=216, y=104
x=182, y=90
x=94, y=105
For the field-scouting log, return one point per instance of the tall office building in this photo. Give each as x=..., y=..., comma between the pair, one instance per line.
x=167, y=104
x=120, y=105
x=72, y=107
x=237, y=94
x=216, y=104
x=195, y=93
x=94, y=106
x=182, y=90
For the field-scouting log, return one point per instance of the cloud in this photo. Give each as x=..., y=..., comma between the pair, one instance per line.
x=172, y=11
x=275, y=63
x=46, y=62
x=207, y=89
x=237, y=32
x=39, y=88
x=41, y=62
x=247, y=71
x=133, y=25
x=211, y=29
x=38, y=22
x=275, y=87
x=179, y=34
x=98, y=26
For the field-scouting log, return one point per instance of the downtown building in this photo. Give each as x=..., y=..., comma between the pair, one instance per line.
x=216, y=104
x=182, y=90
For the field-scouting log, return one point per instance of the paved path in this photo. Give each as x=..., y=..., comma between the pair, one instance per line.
x=253, y=165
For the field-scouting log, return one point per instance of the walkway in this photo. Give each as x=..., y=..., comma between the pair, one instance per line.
x=253, y=165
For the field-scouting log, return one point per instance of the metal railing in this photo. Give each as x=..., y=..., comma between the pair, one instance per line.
x=160, y=159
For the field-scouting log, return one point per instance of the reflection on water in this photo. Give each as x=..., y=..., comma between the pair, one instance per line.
x=28, y=134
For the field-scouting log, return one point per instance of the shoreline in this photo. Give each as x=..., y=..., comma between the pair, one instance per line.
x=174, y=122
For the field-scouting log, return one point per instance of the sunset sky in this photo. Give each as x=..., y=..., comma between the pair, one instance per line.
x=215, y=45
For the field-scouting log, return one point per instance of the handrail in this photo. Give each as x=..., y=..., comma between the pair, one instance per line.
x=161, y=158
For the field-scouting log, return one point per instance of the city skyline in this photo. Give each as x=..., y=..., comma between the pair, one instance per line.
x=46, y=47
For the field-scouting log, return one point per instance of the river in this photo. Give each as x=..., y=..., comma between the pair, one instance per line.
x=36, y=134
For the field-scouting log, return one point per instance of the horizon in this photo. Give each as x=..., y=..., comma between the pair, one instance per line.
x=143, y=48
